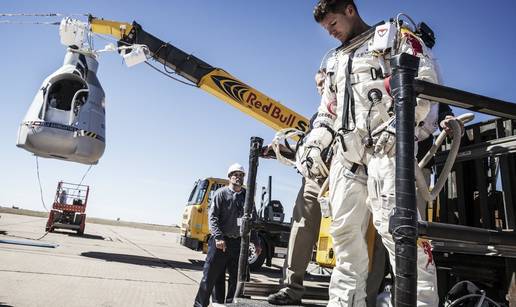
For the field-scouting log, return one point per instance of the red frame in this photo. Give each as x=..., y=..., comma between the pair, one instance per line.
x=66, y=207
x=57, y=206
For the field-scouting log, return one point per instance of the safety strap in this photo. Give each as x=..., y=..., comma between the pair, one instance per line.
x=372, y=75
x=354, y=168
x=340, y=138
x=330, y=130
x=349, y=100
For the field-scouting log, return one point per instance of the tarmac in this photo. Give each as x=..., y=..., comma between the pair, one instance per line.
x=110, y=265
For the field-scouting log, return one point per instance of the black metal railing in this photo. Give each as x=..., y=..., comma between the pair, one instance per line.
x=482, y=185
x=405, y=90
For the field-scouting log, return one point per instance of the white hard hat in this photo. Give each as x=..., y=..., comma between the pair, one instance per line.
x=236, y=168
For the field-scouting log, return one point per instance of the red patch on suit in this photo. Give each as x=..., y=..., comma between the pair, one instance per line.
x=414, y=43
x=427, y=248
x=331, y=107
x=387, y=85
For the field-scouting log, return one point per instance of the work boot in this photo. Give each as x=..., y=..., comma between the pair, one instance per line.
x=282, y=298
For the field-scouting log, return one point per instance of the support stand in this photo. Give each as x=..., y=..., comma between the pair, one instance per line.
x=403, y=223
x=245, y=228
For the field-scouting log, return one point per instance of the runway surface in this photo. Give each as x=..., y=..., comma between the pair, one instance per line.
x=108, y=266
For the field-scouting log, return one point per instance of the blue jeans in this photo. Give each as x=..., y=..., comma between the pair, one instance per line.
x=213, y=279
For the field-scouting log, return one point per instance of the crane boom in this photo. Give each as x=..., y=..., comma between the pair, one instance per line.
x=213, y=80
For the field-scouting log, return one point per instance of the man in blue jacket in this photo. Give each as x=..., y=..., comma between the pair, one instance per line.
x=224, y=218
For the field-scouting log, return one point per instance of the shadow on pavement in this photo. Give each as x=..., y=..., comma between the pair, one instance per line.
x=2, y=304
x=197, y=262
x=87, y=236
x=271, y=272
x=143, y=260
x=275, y=271
x=74, y=234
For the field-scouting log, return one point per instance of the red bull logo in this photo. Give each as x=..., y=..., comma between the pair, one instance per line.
x=245, y=96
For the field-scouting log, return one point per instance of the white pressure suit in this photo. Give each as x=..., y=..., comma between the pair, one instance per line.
x=353, y=118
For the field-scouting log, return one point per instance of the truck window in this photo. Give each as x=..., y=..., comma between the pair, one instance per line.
x=198, y=193
x=190, y=198
x=214, y=187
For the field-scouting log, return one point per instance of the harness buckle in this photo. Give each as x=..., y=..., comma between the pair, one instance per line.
x=376, y=73
x=367, y=142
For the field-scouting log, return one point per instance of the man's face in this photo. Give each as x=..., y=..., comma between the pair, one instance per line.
x=237, y=178
x=339, y=25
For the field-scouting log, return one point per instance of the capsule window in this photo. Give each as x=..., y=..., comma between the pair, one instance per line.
x=62, y=91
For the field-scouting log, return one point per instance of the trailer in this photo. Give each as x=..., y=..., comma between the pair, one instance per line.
x=69, y=208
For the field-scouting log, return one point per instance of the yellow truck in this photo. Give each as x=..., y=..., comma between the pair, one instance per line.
x=272, y=232
x=194, y=224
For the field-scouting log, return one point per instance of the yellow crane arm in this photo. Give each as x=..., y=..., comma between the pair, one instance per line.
x=211, y=79
x=109, y=27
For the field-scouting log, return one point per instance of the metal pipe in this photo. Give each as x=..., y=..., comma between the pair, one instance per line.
x=245, y=228
x=403, y=223
x=476, y=235
x=71, y=117
x=465, y=100
x=29, y=243
x=269, y=188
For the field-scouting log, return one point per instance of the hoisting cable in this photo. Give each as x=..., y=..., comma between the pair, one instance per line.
x=46, y=232
x=40, y=187
x=164, y=72
x=42, y=198
x=86, y=173
x=41, y=194
x=50, y=23
x=44, y=206
x=84, y=176
x=169, y=75
x=39, y=14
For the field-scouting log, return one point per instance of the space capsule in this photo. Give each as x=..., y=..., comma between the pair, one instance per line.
x=66, y=119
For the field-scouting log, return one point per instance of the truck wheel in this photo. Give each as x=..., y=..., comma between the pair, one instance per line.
x=82, y=224
x=77, y=219
x=50, y=221
x=255, y=261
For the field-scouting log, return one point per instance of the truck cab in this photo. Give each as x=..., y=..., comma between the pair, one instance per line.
x=194, y=225
x=272, y=231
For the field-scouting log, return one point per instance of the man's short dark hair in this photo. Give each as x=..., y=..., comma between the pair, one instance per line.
x=324, y=7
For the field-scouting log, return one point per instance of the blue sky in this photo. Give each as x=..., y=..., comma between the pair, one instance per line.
x=162, y=135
